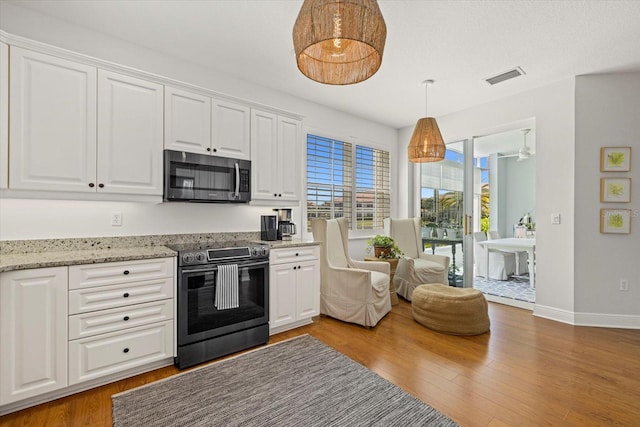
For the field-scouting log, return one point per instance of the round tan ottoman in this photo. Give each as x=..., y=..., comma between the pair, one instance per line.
x=455, y=311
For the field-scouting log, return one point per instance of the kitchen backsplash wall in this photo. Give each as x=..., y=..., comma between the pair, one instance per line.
x=52, y=219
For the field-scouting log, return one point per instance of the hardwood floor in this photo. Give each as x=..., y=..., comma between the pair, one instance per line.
x=527, y=371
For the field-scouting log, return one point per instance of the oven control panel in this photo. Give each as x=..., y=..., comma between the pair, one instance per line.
x=222, y=255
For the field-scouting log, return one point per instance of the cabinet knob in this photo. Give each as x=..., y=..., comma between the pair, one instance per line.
x=126, y=350
x=125, y=318
x=208, y=149
x=126, y=295
x=299, y=267
x=296, y=253
x=279, y=195
x=101, y=185
x=294, y=267
x=91, y=185
x=125, y=272
x=215, y=150
x=275, y=194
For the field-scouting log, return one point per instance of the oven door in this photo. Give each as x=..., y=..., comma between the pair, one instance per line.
x=198, y=317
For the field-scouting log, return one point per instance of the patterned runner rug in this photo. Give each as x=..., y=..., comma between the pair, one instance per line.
x=299, y=382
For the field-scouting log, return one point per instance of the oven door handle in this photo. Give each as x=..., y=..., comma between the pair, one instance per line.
x=215, y=267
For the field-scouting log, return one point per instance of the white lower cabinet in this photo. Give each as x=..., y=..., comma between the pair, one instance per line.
x=33, y=332
x=294, y=287
x=64, y=326
x=113, y=352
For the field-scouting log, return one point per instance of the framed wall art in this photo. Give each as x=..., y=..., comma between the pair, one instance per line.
x=616, y=221
x=615, y=159
x=615, y=190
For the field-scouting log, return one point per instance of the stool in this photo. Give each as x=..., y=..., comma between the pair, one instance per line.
x=455, y=311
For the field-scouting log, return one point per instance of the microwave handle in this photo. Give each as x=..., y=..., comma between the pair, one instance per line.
x=237, y=194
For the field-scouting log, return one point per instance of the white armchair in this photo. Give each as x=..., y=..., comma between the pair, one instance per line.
x=522, y=258
x=351, y=291
x=501, y=264
x=416, y=267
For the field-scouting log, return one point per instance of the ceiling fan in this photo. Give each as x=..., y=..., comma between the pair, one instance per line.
x=525, y=152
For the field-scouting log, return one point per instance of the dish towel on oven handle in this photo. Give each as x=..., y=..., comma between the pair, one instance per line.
x=227, y=287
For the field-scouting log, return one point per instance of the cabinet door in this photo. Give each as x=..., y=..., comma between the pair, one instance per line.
x=308, y=295
x=52, y=120
x=130, y=134
x=264, y=155
x=231, y=129
x=4, y=115
x=33, y=332
x=187, y=121
x=289, y=141
x=282, y=295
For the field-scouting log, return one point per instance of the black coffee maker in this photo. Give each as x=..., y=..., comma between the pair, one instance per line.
x=286, y=228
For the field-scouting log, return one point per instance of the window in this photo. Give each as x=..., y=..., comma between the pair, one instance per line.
x=337, y=170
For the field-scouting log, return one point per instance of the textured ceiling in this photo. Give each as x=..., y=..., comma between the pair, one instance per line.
x=456, y=43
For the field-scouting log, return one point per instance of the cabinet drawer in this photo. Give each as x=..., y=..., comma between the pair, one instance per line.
x=104, y=297
x=116, y=319
x=295, y=254
x=107, y=354
x=85, y=276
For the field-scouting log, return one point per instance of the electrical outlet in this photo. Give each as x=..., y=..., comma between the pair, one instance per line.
x=555, y=218
x=624, y=285
x=116, y=219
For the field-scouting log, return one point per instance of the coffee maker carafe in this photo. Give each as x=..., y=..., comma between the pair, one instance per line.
x=286, y=228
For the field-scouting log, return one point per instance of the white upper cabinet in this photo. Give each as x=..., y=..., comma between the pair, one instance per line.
x=130, y=130
x=4, y=115
x=52, y=130
x=197, y=123
x=231, y=129
x=76, y=128
x=275, y=170
x=187, y=121
x=289, y=142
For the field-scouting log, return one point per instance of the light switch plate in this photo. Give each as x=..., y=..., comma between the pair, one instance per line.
x=555, y=218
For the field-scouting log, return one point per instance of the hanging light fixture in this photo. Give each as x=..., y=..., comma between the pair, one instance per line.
x=339, y=42
x=426, y=143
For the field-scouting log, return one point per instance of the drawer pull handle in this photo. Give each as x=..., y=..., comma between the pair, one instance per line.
x=126, y=295
x=126, y=350
x=126, y=272
x=126, y=318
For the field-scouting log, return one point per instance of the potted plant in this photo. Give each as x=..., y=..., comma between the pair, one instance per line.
x=384, y=247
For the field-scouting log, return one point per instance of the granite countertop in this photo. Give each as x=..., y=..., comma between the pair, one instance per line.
x=23, y=261
x=28, y=254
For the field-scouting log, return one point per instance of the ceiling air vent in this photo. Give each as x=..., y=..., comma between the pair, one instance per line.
x=507, y=75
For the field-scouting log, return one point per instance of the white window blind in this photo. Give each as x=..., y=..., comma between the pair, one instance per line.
x=337, y=170
x=329, y=179
x=373, y=201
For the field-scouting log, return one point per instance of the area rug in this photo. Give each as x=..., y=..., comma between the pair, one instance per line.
x=298, y=382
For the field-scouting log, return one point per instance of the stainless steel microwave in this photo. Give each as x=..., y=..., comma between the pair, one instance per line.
x=205, y=178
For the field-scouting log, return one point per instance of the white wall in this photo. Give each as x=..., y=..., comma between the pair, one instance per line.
x=607, y=114
x=552, y=107
x=43, y=218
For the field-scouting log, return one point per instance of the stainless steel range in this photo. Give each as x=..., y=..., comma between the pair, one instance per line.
x=223, y=299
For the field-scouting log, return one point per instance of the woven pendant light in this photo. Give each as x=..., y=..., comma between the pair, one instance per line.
x=339, y=42
x=426, y=143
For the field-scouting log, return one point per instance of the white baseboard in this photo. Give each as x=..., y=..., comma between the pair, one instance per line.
x=599, y=320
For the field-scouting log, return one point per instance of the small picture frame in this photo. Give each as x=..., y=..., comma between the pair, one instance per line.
x=615, y=159
x=615, y=190
x=615, y=221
